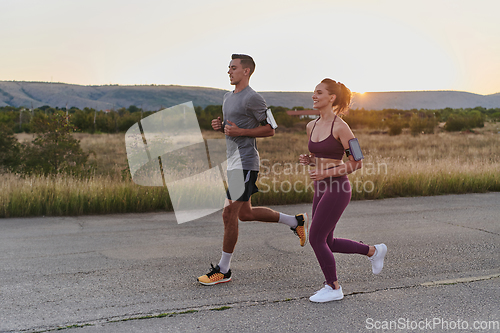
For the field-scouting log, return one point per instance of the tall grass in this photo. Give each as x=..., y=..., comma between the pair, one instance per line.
x=66, y=195
x=403, y=165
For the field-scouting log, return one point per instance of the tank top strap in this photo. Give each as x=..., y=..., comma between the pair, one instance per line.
x=314, y=125
x=333, y=123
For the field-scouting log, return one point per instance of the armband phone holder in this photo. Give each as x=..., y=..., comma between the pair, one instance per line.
x=354, y=150
x=269, y=120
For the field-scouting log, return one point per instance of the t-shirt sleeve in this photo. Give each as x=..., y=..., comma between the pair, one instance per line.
x=226, y=95
x=257, y=107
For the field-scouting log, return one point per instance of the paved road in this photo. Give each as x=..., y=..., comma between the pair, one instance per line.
x=137, y=272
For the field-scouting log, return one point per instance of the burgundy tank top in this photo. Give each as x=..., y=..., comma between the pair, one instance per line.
x=327, y=148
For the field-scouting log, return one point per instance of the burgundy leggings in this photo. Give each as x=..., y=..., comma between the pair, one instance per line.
x=331, y=196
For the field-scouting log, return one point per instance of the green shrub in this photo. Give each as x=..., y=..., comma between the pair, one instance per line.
x=456, y=123
x=422, y=124
x=9, y=149
x=53, y=150
x=395, y=126
x=495, y=116
x=464, y=121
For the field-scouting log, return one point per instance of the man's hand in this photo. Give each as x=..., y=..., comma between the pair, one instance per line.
x=232, y=130
x=217, y=124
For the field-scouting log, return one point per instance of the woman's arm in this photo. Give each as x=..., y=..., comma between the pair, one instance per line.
x=309, y=159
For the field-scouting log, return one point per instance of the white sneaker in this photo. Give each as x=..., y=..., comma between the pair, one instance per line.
x=327, y=294
x=377, y=258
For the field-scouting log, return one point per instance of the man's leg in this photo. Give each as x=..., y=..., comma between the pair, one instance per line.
x=230, y=218
x=298, y=223
x=243, y=210
x=261, y=214
x=221, y=273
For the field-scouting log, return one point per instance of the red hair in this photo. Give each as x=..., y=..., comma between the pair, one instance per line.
x=342, y=93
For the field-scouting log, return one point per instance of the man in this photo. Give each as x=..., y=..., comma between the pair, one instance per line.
x=244, y=112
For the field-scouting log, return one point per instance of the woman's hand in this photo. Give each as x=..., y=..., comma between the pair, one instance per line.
x=305, y=159
x=318, y=174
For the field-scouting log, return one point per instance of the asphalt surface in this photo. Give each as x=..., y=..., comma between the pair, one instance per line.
x=137, y=272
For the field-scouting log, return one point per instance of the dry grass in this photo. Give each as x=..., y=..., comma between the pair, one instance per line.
x=64, y=195
x=107, y=151
x=401, y=165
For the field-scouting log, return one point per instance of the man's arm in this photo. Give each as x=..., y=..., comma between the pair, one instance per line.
x=258, y=132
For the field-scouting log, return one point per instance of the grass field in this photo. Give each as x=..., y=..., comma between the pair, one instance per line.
x=403, y=165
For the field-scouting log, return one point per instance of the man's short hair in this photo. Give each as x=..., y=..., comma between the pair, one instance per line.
x=246, y=61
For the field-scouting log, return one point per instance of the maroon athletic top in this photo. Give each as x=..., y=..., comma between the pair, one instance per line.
x=327, y=148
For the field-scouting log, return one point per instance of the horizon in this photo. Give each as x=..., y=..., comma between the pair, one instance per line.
x=260, y=91
x=370, y=46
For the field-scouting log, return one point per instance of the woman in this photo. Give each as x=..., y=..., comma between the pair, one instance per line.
x=329, y=137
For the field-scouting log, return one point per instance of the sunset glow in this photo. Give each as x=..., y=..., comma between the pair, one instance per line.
x=370, y=46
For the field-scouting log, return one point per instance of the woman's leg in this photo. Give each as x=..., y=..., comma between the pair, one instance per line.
x=342, y=245
x=334, y=198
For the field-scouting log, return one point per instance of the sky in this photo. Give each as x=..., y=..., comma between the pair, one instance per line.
x=369, y=45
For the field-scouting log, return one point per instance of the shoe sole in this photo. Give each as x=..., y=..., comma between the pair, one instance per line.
x=306, y=228
x=214, y=283
x=330, y=300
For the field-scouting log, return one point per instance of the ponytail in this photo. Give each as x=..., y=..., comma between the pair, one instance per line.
x=343, y=95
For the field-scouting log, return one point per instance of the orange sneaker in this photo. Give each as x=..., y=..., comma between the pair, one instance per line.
x=214, y=277
x=302, y=229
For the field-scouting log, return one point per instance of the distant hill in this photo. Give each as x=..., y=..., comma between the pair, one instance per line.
x=104, y=97
x=424, y=100
x=155, y=97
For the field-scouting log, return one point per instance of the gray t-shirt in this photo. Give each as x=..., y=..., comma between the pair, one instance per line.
x=246, y=109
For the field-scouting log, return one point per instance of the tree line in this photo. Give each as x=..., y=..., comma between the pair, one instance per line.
x=422, y=121
x=54, y=150
x=90, y=120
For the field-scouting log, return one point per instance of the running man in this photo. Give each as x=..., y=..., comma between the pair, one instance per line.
x=244, y=112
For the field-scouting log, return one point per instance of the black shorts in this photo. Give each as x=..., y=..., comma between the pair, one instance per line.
x=241, y=183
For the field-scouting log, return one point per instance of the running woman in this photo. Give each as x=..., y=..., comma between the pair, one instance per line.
x=244, y=112
x=329, y=137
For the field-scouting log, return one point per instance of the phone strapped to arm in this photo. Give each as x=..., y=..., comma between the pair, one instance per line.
x=354, y=150
x=269, y=120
